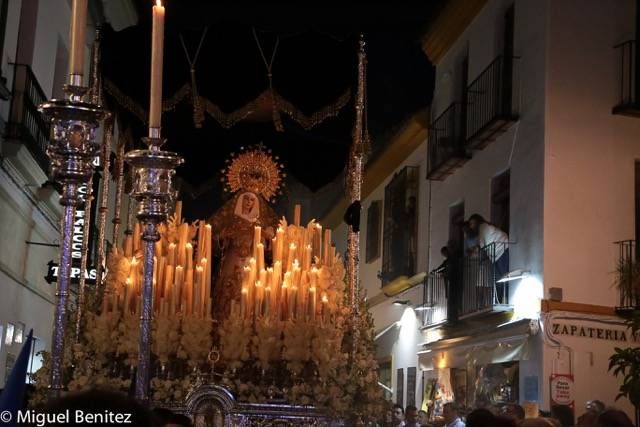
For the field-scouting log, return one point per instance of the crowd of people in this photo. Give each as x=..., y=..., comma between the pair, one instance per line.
x=595, y=414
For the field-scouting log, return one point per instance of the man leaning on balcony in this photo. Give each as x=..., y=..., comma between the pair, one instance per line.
x=495, y=245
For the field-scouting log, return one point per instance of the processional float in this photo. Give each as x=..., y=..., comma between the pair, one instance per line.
x=284, y=337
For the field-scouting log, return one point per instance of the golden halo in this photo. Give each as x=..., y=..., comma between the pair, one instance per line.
x=254, y=170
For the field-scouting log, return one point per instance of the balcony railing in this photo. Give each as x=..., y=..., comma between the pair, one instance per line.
x=626, y=58
x=25, y=122
x=435, y=293
x=628, y=276
x=446, y=151
x=465, y=286
x=491, y=102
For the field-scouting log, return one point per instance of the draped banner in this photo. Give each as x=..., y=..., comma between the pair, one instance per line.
x=269, y=105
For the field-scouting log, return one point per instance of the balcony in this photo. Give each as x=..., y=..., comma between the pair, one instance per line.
x=465, y=287
x=628, y=92
x=26, y=126
x=628, y=277
x=434, y=297
x=446, y=151
x=491, y=102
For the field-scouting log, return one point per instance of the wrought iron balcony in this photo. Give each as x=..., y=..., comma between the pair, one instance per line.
x=480, y=290
x=491, y=102
x=26, y=124
x=446, y=151
x=465, y=286
x=628, y=277
x=434, y=298
x=628, y=104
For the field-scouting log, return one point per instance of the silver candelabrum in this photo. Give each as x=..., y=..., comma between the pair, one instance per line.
x=71, y=151
x=153, y=171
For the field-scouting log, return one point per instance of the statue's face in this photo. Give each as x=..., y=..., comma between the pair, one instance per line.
x=248, y=202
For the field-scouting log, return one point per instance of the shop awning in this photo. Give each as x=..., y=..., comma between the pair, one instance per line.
x=505, y=343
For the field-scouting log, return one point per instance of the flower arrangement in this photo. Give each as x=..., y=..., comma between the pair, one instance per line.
x=287, y=339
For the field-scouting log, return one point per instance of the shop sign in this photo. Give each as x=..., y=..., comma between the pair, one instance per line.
x=562, y=392
x=89, y=276
x=77, y=244
x=607, y=334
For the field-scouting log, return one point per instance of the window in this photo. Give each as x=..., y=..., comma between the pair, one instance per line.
x=500, y=190
x=18, y=334
x=456, y=229
x=373, y=231
x=8, y=339
x=399, y=249
x=384, y=375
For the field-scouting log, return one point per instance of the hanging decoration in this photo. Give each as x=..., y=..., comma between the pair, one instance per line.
x=198, y=113
x=255, y=110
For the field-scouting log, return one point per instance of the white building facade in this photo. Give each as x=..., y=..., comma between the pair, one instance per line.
x=33, y=69
x=521, y=131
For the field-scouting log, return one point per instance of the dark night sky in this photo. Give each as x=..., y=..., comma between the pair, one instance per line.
x=315, y=62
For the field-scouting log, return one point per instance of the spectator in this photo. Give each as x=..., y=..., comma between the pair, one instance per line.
x=411, y=416
x=588, y=419
x=536, y=422
x=489, y=234
x=513, y=411
x=614, y=418
x=423, y=417
x=450, y=415
x=480, y=418
x=398, y=416
x=171, y=419
x=596, y=406
x=563, y=414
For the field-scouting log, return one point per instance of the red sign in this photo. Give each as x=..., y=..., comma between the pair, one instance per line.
x=562, y=390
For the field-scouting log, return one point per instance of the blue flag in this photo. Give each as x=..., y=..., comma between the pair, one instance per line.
x=12, y=396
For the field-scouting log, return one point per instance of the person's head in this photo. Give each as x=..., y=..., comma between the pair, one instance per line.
x=614, y=418
x=423, y=417
x=475, y=221
x=536, y=422
x=513, y=411
x=103, y=402
x=596, y=406
x=171, y=419
x=398, y=413
x=449, y=412
x=563, y=414
x=481, y=417
x=444, y=251
x=411, y=414
x=588, y=419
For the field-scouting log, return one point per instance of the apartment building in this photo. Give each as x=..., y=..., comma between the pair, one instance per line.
x=534, y=127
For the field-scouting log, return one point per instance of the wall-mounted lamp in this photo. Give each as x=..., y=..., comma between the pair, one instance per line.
x=513, y=275
x=401, y=302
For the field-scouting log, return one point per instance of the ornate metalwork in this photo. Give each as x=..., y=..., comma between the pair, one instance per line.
x=71, y=151
x=153, y=171
x=354, y=181
x=119, y=175
x=104, y=200
x=88, y=198
x=211, y=405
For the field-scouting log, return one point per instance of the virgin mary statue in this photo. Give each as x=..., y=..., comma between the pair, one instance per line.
x=251, y=176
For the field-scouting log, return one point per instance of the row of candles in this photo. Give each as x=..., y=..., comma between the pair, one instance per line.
x=289, y=288
x=181, y=272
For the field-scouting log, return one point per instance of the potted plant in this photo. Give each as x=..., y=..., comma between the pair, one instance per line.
x=625, y=362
